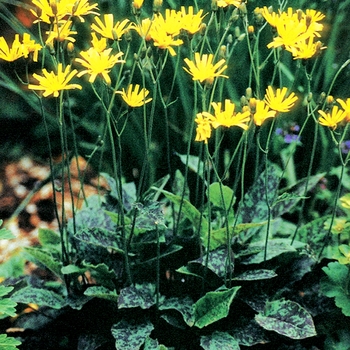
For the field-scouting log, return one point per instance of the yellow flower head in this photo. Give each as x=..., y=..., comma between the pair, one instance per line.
x=189, y=21
x=98, y=44
x=171, y=23
x=61, y=32
x=345, y=201
x=30, y=46
x=52, y=83
x=333, y=118
x=144, y=29
x=279, y=102
x=98, y=63
x=134, y=97
x=203, y=130
x=346, y=106
x=203, y=69
x=262, y=112
x=13, y=53
x=228, y=117
x=108, y=29
x=305, y=49
x=164, y=41
x=225, y=3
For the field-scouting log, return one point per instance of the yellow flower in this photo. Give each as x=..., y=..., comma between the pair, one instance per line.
x=305, y=49
x=52, y=83
x=79, y=8
x=108, y=29
x=279, y=102
x=346, y=106
x=203, y=130
x=191, y=22
x=134, y=97
x=44, y=11
x=61, y=32
x=202, y=68
x=144, y=29
x=262, y=112
x=13, y=53
x=29, y=45
x=228, y=117
x=225, y=3
x=331, y=119
x=164, y=41
x=98, y=63
x=98, y=44
x=170, y=24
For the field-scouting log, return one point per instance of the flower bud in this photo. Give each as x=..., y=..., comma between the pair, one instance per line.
x=243, y=101
x=243, y=9
x=329, y=100
x=258, y=17
x=234, y=17
x=251, y=31
x=157, y=5
x=229, y=39
x=53, y=5
x=248, y=93
x=309, y=97
x=252, y=105
x=223, y=51
x=214, y=5
x=321, y=98
x=237, y=32
x=202, y=29
x=127, y=35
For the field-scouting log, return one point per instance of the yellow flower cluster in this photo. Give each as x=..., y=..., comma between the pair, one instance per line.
x=164, y=30
x=333, y=117
x=258, y=110
x=19, y=49
x=296, y=31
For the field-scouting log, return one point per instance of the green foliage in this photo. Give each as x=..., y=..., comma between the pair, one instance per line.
x=8, y=343
x=336, y=285
x=287, y=318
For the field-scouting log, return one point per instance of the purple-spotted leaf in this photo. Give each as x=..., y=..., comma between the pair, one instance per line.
x=219, y=341
x=131, y=335
x=287, y=318
x=255, y=275
x=41, y=297
x=213, y=306
x=183, y=305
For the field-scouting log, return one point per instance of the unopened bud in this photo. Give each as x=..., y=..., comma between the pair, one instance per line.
x=202, y=29
x=115, y=35
x=258, y=17
x=53, y=6
x=252, y=105
x=330, y=100
x=214, y=5
x=70, y=50
x=248, y=93
x=51, y=48
x=222, y=51
x=235, y=15
x=230, y=39
x=237, y=32
x=243, y=9
x=127, y=35
x=157, y=5
x=243, y=101
x=300, y=15
x=309, y=97
x=251, y=31
x=322, y=98
x=241, y=37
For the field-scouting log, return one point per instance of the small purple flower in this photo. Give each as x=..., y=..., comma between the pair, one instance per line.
x=345, y=147
x=289, y=134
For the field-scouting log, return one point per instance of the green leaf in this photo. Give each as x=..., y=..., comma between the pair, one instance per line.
x=254, y=207
x=130, y=335
x=287, y=318
x=183, y=305
x=41, y=297
x=219, y=341
x=190, y=212
x=139, y=295
x=4, y=290
x=100, y=237
x=275, y=248
x=7, y=308
x=193, y=162
x=152, y=344
x=217, y=262
x=46, y=259
x=336, y=284
x=48, y=237
x=292, y=195
x=6, y=234
x=255, y=275
x=221, y=200
x=8, y=343
x=102, y=293
x=213, y=306
x=148, y=217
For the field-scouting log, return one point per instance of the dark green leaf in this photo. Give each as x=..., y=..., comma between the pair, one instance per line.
x=217, y=262
x=219, y=341
x=336, y=285
x=130, y=335
x=221, y=198
x=287, y=318
x=46, y=259
x=41, y=297
x=100, y=237
x=250, y=334
x=255, y=275
x=48, y=237
x=183, y=305
x=140, y=295
x=213, y=306
x=102, y=293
